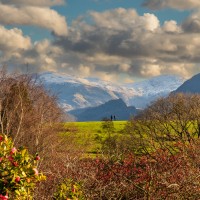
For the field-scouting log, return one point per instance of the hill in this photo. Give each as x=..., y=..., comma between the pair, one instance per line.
x=190, y=86
x=115, y=108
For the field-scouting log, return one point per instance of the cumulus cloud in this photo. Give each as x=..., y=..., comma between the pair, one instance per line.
x=116, y=19
x=16, y=49
x=13, y=39
x=175, y=4
x=121, y=41
x=12, y=44
x=192, y=23
x=120, y=19
x=113, y=43
x=151, y=70
x=39, y=3
x=171, y=27
x=27, y=15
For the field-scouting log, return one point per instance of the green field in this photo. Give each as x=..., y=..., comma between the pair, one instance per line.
x=88, y=135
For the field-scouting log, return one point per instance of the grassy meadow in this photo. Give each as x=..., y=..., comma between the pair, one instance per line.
x=89, y=135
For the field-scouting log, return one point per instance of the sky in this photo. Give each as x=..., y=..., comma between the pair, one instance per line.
x=120, y=41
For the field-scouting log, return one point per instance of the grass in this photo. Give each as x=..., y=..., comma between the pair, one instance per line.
x=88, y=135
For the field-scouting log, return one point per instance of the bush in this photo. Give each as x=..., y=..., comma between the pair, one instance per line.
x=159, y=175
x=69, y=189
x=18, y=171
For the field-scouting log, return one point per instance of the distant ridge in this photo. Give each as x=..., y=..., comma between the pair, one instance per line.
x=77, y=93
x=190, y=86
x=115, y=108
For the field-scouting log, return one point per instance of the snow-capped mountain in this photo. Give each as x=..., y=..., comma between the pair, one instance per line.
x=74, y=92
x=149, y=90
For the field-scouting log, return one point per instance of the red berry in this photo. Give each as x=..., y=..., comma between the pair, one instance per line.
x=15, y=164
x=17, y=179
x=37, y=158
x=73, y=189
x=10, y=158
x=3, y=197
x=13, y=150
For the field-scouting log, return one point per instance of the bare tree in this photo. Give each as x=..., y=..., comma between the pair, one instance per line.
x=29, y=114
x=174, y=118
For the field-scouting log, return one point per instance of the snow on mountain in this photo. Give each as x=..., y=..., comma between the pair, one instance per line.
x=149, y=90
x=74, y=92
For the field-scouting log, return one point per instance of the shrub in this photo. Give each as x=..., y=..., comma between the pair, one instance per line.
x=69, y=189
x=18, y=171
x=159, y=175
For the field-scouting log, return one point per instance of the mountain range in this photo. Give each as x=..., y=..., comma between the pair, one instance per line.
x=78, y=93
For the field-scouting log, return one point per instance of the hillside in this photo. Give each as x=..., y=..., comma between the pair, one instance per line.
x=190, y=86
x=112, y=108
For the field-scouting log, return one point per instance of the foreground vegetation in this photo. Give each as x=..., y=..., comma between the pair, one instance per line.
x=153, y=156
x=18, y=169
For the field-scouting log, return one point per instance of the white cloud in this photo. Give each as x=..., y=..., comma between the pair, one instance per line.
x=118, y=43
x=151, y=70
x=150, y=22
x=84, y=71
x=183, y=69
x=125, y=42
x=121, y=18
x=117, y=19
x=43, y=17
x=176, y=4
x=171, y=27
x=39, y=3
x=13, y=39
